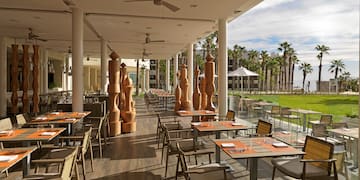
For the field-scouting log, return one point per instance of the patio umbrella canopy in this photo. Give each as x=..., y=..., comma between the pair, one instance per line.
x=242, y=72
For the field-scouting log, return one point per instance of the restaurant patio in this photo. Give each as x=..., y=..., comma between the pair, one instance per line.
x=192, y=130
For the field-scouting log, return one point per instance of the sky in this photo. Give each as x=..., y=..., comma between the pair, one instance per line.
x=304, y=24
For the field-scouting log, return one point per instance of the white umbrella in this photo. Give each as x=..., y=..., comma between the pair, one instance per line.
x=242, y=72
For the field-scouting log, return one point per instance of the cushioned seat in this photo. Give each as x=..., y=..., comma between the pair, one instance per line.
x=293, y=167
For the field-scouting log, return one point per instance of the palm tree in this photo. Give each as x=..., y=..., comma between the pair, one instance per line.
x=264, y=57
x=323, y=50
x=295, y=60
x=306, y=69
x=343, y=79
x=291, y=58
x=336, y=66
x=273, y=67
x=253, y=59
x=285, y=47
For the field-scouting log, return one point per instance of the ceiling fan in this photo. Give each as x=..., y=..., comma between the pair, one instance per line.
x=148, y=40
x=32, y=36
x=172, y=7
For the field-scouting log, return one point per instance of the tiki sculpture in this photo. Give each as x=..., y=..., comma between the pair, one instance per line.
x=203, y=93
x=36, y=79
x=114, y=90
x=128, y=112
x=25, y=79
x=209, y=78
x=14, y=79
x=184, y=85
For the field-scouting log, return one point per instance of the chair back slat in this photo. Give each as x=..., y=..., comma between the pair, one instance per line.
x=230, y=115
x=263, y=128
x=20, y=119
x=5, y=124
x=69, y=164
x=318, y=149
x=275, y=109
x=319, y=130
x=326, y=119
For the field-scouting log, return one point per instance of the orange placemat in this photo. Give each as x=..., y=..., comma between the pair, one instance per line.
x=37, y=134
x=229, y=125
x=238, y=145
x=205, y=125
x=19, y=153
x=15, y=133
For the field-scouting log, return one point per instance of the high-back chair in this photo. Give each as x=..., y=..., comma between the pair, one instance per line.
x=5, y=124
x=324, y=119
x=20, y=120
x=316, y=163
x=211, y=171
x=286, y=113
x=263, y=128
x=230, y=115
x=273, y=113
x=68, y=164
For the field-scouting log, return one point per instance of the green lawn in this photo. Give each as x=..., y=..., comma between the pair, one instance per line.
x=339, y=106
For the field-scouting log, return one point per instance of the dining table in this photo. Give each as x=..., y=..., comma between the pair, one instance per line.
x=59, y=118
x=305, y=114
x=253, y=148
x=11, y=156
x=28, y=135
x=218, y=127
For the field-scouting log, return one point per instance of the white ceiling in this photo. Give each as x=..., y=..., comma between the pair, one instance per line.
x=122, y=24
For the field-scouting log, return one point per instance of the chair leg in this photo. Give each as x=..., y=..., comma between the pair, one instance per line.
x=77, y=171
x=273, y=174
x=167, y=161
x=100, y=147
x=177, y=168
x=91, y=157
x=83, y=165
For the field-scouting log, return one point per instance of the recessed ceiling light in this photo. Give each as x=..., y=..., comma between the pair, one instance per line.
x=179, y=25
x=148, y=27
x=193, y=5
x=36, y=17
x=127, y=22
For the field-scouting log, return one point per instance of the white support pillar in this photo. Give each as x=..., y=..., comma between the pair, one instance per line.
x=3, y=75
x=167, y=75
x=77, y=59
x=222, y=68
x=176, y=66
x=358, y=143
x=45, y=71
x=143, y=80
x=88, y=78
x=104, y=66
x=190, y=69
x=147, y=79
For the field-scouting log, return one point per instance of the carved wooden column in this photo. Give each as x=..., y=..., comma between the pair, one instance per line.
x=196, y=94
x=177, y=94
x=25, y=79
x=14, y=79
x=36, y=79
x=114, y=90
x=203, y=93
x=184, y=85
x=128, y=112
x=209, y=78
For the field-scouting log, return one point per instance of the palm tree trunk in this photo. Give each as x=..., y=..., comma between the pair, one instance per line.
x=319, y=80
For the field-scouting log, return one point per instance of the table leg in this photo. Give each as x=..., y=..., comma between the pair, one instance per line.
x=304, y=122
x=253, y=168
x=26, y=165
x=217, y=151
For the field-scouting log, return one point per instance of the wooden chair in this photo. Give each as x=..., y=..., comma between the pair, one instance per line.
x=286, y=113
x=263, y=128
x=185, y=138
x=209, y=171
x=172, y=123
x=5, y=124
x=317, y=163
x=22, y=119
x=59, y=151
x=98, y=133
x=274, y=112
x=324, y=119
x=68, y=165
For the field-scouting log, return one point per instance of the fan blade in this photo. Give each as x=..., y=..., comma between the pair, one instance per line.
x=170, y=6
x=158, y=41
x=137, y=0
x=44, y=40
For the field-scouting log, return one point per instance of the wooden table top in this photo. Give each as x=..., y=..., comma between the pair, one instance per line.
x=219, y=126
x=195, y=113
x=17, y=155
x=292, y=138
x=258, y=147
x=349, y=132
x=59, y=118
x=31, y=134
